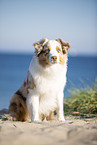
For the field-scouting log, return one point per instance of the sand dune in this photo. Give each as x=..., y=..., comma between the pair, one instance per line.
x=71, y=132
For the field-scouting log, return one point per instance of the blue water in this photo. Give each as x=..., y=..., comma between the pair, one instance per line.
x=13, y=68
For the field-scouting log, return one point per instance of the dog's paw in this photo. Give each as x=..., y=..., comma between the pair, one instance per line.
x=35, y=120
x=62, y=119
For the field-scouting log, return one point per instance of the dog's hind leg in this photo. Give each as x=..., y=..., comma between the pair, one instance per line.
x=18, y=108
x=50, y=117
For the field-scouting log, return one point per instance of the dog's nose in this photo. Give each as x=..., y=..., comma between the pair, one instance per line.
x=54, y=58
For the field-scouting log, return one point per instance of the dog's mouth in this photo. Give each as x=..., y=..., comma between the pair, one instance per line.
x=53, y=62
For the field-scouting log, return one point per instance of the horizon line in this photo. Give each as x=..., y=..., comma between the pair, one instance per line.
x=31, y=53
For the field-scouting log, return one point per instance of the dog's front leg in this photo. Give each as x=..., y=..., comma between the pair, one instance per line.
x=35, y=108
x=60, y=111
x=33, y=105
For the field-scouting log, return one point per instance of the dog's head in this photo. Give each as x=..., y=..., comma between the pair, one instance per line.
x=51, y=51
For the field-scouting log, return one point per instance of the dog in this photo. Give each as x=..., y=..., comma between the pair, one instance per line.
x=42, y=90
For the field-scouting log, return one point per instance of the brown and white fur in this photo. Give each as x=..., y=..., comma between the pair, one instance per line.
x=42, y=90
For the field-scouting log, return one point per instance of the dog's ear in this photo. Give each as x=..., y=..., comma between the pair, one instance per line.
x=39, y=46
x=65, y=45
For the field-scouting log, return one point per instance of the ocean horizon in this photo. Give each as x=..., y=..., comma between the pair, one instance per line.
x=82, y=71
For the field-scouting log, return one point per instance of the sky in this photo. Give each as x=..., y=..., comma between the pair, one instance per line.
x=23, y=22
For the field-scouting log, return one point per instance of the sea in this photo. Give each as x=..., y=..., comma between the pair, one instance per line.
x=82, y=71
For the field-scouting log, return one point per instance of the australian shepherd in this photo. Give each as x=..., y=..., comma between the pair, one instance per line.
x=42, y=90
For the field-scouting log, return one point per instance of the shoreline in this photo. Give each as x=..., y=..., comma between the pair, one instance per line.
x=72, y=131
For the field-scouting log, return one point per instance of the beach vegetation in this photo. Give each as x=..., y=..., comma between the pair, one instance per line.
x=82, y=101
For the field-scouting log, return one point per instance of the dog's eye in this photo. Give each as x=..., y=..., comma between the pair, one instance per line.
x=58, y=49
x=47, y=51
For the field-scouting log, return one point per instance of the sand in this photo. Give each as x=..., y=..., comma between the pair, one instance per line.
x=71, y=132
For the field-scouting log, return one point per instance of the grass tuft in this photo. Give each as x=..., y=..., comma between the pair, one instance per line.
x=82, y=101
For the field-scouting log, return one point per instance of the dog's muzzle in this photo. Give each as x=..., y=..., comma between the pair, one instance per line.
x=53, y=59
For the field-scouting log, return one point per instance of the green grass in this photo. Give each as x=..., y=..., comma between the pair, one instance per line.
x=82, y=101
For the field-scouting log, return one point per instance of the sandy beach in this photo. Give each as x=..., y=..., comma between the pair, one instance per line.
x=72, y=131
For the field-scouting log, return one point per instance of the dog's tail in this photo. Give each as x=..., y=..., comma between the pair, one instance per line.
x=18, y=107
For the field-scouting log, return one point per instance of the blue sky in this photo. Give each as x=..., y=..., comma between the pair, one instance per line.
x=23, y=22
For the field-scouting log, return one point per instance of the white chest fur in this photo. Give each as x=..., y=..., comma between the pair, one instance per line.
x=49, y=79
